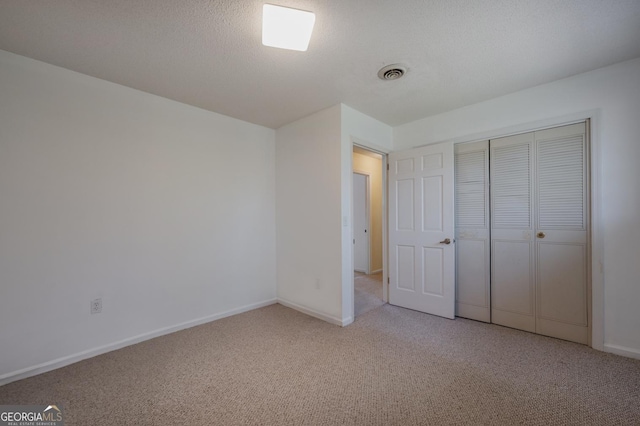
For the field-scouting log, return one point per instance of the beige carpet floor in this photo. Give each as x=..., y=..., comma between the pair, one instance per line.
x=392, y=366
x=368, y=292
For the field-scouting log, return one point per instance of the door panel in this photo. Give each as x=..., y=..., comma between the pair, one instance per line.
x=561, y=171
x=511, y=164
x=405, y=267
x=512, y=286
x=432, y=271
x=512, y=251
x=421, y=217
x=471, y=254
x=561, y=277
x=432, y=207
x=472, y=231
x=404, y=204
x=561, y=233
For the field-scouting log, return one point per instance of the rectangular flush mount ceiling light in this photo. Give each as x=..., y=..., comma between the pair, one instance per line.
x=286, y=28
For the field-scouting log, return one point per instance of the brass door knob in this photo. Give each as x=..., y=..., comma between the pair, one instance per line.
x=446, y=241
x=541, y=234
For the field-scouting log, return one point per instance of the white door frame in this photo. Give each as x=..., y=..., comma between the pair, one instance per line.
x=385, y=193
x=367, y=214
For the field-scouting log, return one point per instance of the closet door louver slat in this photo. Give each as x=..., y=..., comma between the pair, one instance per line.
x=511, y=186
x=561, y=184
x=470, y=178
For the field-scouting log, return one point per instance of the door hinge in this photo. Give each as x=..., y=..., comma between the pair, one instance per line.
x=387, y=166
x=388, y=280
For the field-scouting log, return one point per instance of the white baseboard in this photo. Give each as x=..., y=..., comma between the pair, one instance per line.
x=622, y=350
x=345, y=322
x=313, y=313
x=376, y=271
x=64, y=361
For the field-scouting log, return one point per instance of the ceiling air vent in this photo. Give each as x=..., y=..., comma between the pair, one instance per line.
x=392, y=72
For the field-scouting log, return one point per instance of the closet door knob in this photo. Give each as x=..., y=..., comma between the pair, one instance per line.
x=541, y=234
x=446, y=241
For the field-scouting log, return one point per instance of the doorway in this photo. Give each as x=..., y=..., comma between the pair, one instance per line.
x=367, y=220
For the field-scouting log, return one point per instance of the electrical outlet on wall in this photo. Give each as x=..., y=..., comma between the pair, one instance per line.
x=96, y=306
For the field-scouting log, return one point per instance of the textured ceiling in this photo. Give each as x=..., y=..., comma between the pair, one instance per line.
x=209, y=53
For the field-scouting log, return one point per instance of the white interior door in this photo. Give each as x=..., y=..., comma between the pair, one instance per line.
x=421, y=230
x=360, y=223
x=472, y=231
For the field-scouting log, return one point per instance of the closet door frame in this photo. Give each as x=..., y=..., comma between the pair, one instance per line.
x=595, y=277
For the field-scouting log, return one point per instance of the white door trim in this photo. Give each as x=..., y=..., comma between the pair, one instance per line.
x=356, y=142
x=385, y=229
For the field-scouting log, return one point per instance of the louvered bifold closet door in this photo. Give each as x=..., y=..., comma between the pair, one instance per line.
x=472, y=231
x=561, y=233
x=513, y=301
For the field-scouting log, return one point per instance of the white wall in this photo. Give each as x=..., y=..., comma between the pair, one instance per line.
x=163, y=210
x=611, y=96
x=313, y=209
x=308, y=212
x=366, y=131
